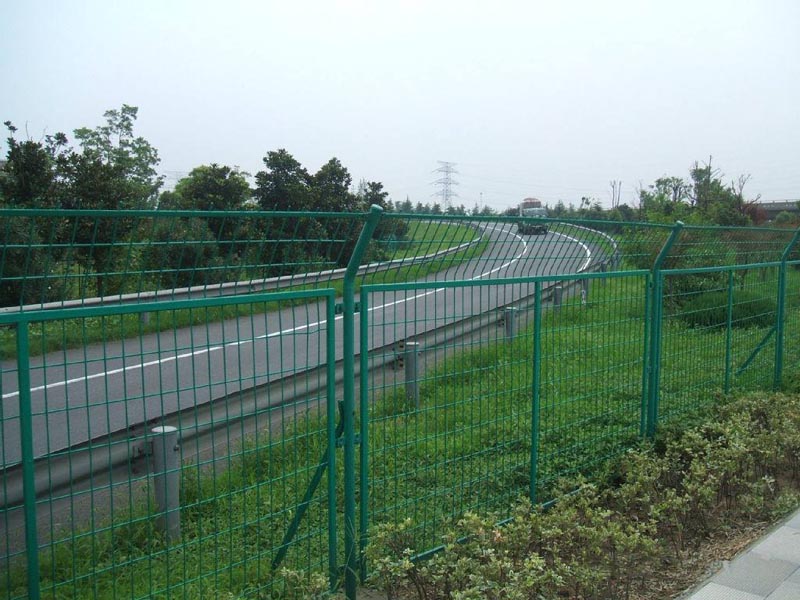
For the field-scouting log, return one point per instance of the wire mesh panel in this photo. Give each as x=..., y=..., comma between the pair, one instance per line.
x=592, y=358
x=718, y=334
x=446, y=402
x=247, y=385
x=791, y=337
x=71, y=257
x=497, y=355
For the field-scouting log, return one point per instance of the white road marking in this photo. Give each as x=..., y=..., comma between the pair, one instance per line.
x=57, y=384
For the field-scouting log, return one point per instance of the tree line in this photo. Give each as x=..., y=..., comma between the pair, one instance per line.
x=112, y=168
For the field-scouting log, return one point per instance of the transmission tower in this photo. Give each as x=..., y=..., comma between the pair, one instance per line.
x=446, y=183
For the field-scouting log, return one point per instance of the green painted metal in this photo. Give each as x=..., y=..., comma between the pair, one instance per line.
x=334, y=435
x=780, y=317
x=352, y=560
x=536, y=389
x=26, y=441
x=299, y=512
x=597, y=375
x=656, y=306
x=728, y=335
x=363, y=408
x=759, y=347
x=648, y=324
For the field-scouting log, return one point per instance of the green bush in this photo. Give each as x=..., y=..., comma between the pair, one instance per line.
x=710, y=310
x=657, y=504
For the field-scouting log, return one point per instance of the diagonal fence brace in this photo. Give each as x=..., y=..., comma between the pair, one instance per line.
x=302, y=507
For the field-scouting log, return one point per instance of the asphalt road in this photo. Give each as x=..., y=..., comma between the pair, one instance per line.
x=84, y=393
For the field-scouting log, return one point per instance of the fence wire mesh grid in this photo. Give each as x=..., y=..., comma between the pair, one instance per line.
x=492, y=361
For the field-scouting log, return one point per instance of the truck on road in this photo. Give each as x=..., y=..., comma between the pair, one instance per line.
x=531, y=207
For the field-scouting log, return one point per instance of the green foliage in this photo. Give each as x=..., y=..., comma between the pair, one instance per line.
x=28, y=176
x=710, y=310
x=656, y=504
x=131, y=157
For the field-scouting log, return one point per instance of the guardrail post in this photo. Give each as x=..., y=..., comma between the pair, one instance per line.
x=585, y=291
x=558, y=293
x=780, y=313
x=510, y=321
x=166, y=480
x=28, y=476
x=410, y=355
x=351, y=552
x=653, y=359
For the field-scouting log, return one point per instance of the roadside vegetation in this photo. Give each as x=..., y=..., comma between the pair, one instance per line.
x=459, y=464
x=651, y=521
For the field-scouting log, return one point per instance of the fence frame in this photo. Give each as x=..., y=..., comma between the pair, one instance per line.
x=356, y=485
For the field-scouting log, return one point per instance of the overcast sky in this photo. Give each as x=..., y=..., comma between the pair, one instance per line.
x=539, y=98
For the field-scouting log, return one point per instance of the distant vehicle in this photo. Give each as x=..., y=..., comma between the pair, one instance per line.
x=531, y=207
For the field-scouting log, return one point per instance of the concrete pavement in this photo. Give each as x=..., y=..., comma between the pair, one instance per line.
x=768, y=570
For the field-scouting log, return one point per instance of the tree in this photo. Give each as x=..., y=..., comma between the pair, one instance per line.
x=674, y=189
x=331, y=188
x=405, y=206
x=284, y=184
x=372, y=192
x=133, y=158
x=29, y=177
x=211, y=187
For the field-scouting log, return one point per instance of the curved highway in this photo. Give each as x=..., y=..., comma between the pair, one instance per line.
x=85, y=393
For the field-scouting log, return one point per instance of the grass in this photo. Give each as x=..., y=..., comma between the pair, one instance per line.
x=467, y=448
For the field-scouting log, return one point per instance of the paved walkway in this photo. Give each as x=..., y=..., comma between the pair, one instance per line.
x=767, y=570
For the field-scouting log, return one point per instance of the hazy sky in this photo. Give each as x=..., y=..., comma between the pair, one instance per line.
x=550, y=99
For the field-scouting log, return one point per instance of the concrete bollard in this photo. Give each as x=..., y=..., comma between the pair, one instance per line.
x=584, y=291
x=510, y=320
x=166, y=472
x=410, y=355
x=558, y=293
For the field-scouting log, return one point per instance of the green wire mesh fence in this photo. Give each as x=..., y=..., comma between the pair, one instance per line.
x=326, y=373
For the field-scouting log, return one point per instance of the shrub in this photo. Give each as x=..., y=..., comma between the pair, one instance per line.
x=710, y=310
x=658, y=503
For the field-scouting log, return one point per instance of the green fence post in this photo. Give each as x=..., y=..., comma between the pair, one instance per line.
x=656, y=313
x=26, y=440
x=645, y=345
x=729, y=334
x=537, y=375
x=352, y=560
x=781, y=311
x=363, y=512
x=330, y=358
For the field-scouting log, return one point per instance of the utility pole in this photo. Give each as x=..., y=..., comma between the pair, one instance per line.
x=446, y=183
